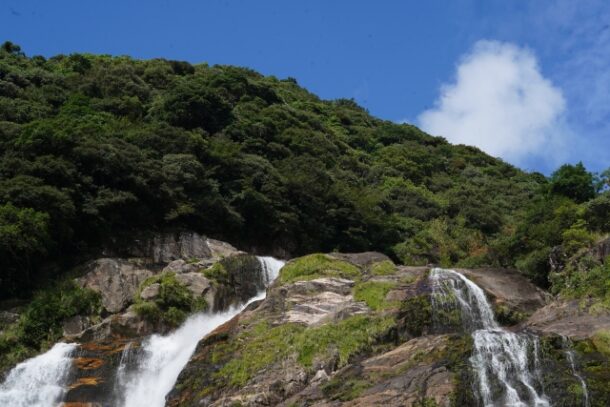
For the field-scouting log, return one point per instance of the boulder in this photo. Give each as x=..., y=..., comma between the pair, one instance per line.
x=150, y=292
x=116, y=280
x=508, y=287
x=573, y=319
x=195, y=282
x=220, y=250
x=72, y=327
x=321, y=300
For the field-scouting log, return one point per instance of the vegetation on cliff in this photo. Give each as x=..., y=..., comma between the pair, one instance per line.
x=94, y=148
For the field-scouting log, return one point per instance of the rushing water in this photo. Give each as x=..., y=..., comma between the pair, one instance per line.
x=567, y=345
x=162, y=358
x=40, y=381
x=506, y=363
x=145, y=375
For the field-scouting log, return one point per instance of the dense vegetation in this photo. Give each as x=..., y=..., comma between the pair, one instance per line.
x=95, y=148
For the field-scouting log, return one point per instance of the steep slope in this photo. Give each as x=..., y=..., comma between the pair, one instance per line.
x=96, y=149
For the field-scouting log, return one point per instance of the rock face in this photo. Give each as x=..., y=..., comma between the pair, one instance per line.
x=573, y=319
x=508, y=287
x=116, y=280
x=321, y=300
x=331, y=337
x=184, y=259
x=334, y=337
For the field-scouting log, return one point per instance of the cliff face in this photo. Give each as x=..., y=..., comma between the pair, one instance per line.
x=136, y=298
x=358, y=330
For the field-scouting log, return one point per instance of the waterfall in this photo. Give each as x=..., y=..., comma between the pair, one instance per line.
x=567, y=345
x=507, y=375
x=40, y=381
x=162, y=358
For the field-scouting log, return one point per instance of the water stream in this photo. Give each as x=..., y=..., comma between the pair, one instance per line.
x=505, y=363
x=40, y=381
x=569, y=352
x=144, y=376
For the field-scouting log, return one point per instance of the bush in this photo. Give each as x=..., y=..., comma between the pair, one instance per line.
x=173, y=304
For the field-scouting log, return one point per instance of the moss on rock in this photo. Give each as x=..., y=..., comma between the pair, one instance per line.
x=315, y=266
x=374, y=294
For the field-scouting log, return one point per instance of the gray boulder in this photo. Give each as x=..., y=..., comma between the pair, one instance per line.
x=116, y=280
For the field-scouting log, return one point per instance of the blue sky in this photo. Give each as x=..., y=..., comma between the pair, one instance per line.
x=528, y=81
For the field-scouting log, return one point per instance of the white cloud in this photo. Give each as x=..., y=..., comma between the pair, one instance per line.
x=501, y=103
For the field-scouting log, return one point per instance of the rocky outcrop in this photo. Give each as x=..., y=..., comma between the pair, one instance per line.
x=331, y=337
x=508, y=288
x=117, y=281
x=320, y=300
x=570, y=318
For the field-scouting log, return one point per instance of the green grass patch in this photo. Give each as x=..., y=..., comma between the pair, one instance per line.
x=263, y=345
x=601, y=341
x=374, y=293
x=383, y=268
x=315, y=266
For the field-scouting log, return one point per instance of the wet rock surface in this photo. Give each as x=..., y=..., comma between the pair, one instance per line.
x=508, y=287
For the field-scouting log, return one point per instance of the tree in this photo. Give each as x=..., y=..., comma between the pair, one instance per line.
x=574, y=182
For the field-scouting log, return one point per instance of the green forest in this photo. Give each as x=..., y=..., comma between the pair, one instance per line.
x=97, y=148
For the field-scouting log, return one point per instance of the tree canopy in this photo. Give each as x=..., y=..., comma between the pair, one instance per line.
x=96, y=147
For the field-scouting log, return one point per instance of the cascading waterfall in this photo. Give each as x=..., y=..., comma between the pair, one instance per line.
x=567, y=346
x=162, y=358
x=40, y=381
x=145, y=375
x=507, y=375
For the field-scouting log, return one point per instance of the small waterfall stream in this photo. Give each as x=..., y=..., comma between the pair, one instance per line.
x=567, y=345
x=506, y=363
x=40, y=381
x=145, y=375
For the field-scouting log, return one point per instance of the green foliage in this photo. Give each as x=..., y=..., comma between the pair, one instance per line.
x=173, y=304
x=601, y=341
x=592, y=282
x=103, y=146
x=216, y=272
x=374, y=294
x=40, y=324
x=416, y=313
x=315, y=266
x=574, y=182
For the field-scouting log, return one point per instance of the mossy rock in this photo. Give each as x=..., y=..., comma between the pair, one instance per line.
x=383, y=268
x=173, y=304
x=318, y=265
x=416, y=315
x=374, y=294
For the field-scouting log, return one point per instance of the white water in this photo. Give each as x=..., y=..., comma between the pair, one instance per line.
x=506, y=376
x=164, y=357
x=570, y=356
x=40, y=381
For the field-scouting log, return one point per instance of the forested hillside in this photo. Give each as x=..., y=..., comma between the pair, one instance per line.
x=95, y=149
